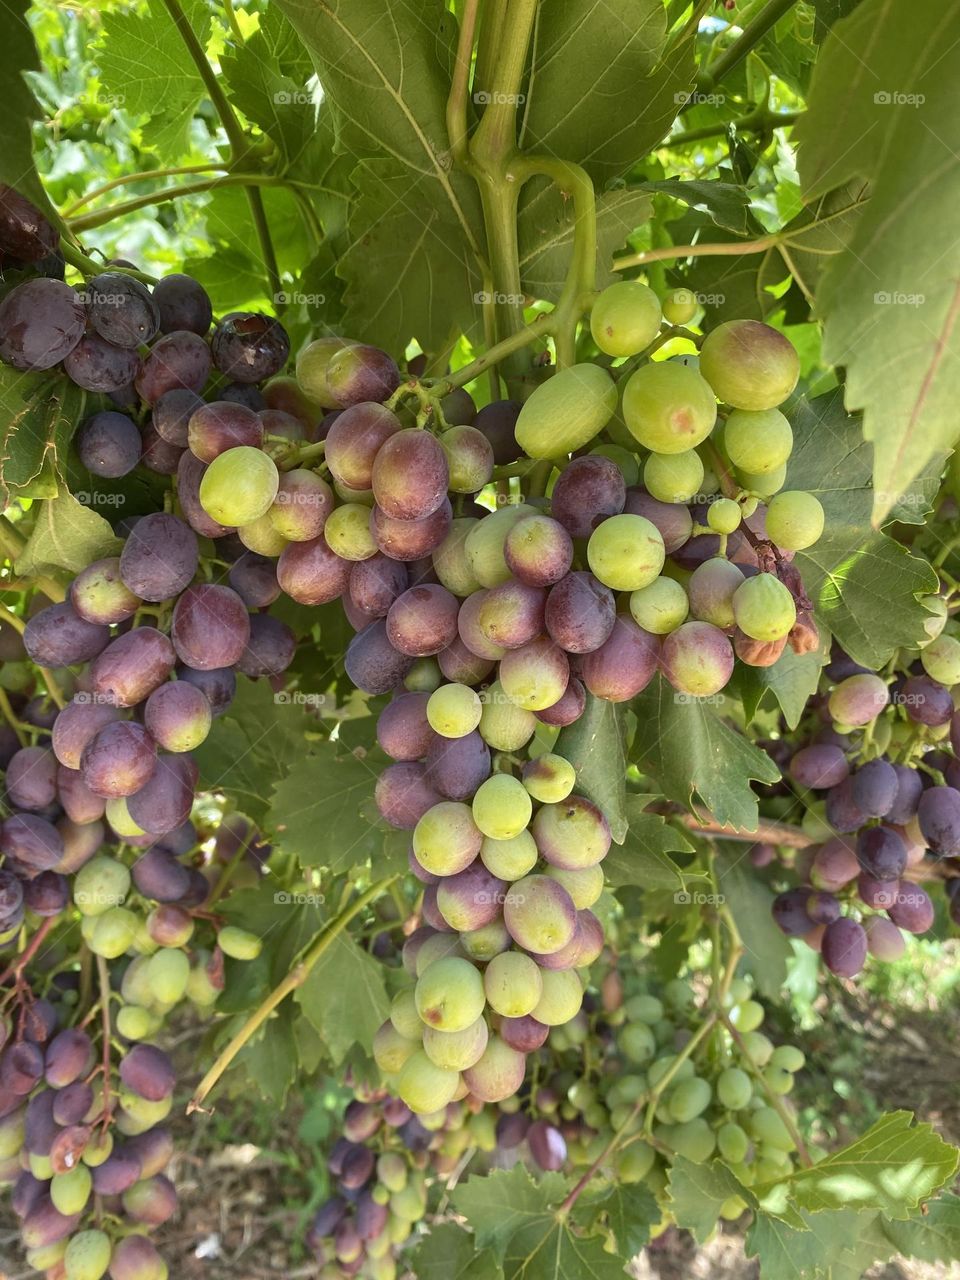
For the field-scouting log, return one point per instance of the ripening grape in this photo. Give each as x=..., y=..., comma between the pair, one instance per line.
x=239, y=486
x=724, y=515
x=533, y=676
x=668, y=407
x=673, y=477
x=302, y=505
x=549, y=778
x=449, y=994
x=561, y=998
x=794, y=520
x=580, y=613
x=347, y=532
x=572, y=834
x=679, y=306
x=511, y=614
x=749, y=365
x=469, y=458
x=697, y=659
x=540, y=915
x=625, y=318
x=502, y=807
x=538, y=550
x=764, y=608
x=358, y=372
x=820, y=765
x=471, y=899
x=858, y=699
x=941, y=659
x=504, y=724
x=453, y=710
x=485, y=542
x=513, y=984
x=757, y=442
x=660, y=607
x=711, y=590
x=626, y=552
x=456, y=1050
x=498, y=1074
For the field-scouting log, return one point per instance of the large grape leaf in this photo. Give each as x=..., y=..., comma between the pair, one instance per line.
x=836, y=1245
x=594, y=745
x=725, y=203
x=791, y=681
x=865, y=586
x=885, y=105
x=448, y=1253
x=66, y=535
x=38, y=415
x=145, y=65
x=344, y=996
x=811, y=240
x=629, y=1210
x=766, y=950
x=18, y=54
x=498, y=1205
x=603, y=87
x=932, y=1237
x=698, y=1192
x=691, y=750
x=643, y=858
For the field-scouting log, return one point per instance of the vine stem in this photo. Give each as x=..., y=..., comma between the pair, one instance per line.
x=177, y=171
x=457, y=99
x=774, y=1098
x=755, y=122
x=542, y=327
x=11, y=718
x=259, y=214
x=103, y=977
x=99, y=217
x=780, y=833
x=294, y=979
x=706, y=250
x=751, y=36
x=90, y=267
x=16, y=967
x=231, y=125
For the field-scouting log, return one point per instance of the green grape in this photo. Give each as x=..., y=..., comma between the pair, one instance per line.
x=549, y=778
x=136, y=1023
x=724, y=515
x=484, y=543
x=46, y=1257
x=112, y=933
x=661, y=607
x=167, y=974
x=469, y=457
x=941, y=659
x=734, y=1088
x=561, y=998
x=446, y=839
x=454, y=710
x=694, y=1139
x=239, y=486
x=788, y=1057
x=749, y=365
x=673, y=477
x=504, y=725
x=502, y=807
x=347, y=532
x=679, y=995
x=391, y=1050
x=634, y=1162
x=312, y=364
x=12, y=1133
x=450, y=561
x=767, y=1127
x=499, y=1072
x=450, y=994
x=679, y=306
x=40, y=1166
x=262, y=537
x=644, y=1008
x=637, y=1043
x=98, y=1149
x=513, y=984
x=758, y=1048
x=392, y=1170
x=747, y=1016
x=732, y=1208
x=238, y=943
x=732, y=1142
x=510, y=859
x=626, y=552
x=690, y=1098
x=87, y=1256
x=794, y=520
x=142, y=1110
x=584, y=885
x=757, y=442
x=778, y=1079
x=424, y=676
x=765, y=485
x=625, y=318
x=424, y=1087
x=118, y=815
x=436, y=948
x=485, y=942
x=404, y=1015
x=669, y=407
x=764, y=608
x=456, y=1050
x=100, y=884
x=70, y=1191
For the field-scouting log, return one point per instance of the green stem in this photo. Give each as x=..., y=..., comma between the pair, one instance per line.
x=496, y=136
x=10, y=716
x=457, y=99
x=100, y=217
x=751, y=36
x=146, y=175
x=90, y=267
x=492, y=23
x=540, y=328
x=12, y=545
x=231, y=125
x=259, y=215
x=232, y=20
x=756, y=122
x=670, y=252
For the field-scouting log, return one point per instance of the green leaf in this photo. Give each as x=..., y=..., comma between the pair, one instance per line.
x=891, y=301
x=749, y=900
x=826, y=1246
x=38, y=415
x=699, y=1191
x=319, y=808
x=20, y=109
x=813, y=238
x=892, y=1167
x=629, y=1209
x=271, y=1059
x=724, y=203
x=643, y=858
x=865, y=586
x=498, y=1205
x=145, y=64
x=792, y=680
x=66, y=535
x=594, y=745
x=548, y=1250
x=344, y=997
x=448, y=1253
x=603, y=87
x=932, y=1237
x=694, y=753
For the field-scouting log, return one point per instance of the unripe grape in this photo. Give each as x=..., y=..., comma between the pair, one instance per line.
x=749, y=365
x=732, y=1142
x=510, y=859
x=724, y=515
x=239, y=486
x=87, y=1256
x=941, y=659
x=858, y=699
x=673, y=477
x=794, y=520
x=689, y=1099
x=679, y=306
x=764, y=608
x=747, y=1015
x=561, y=997
x=488, y=941
x=540, y=915
x=454, y=710
x=498, y=1074
x=446, y=839
x=485, y=543
x=734, y=1089
x=502, y=807
x=660, y=607
x=347, y=532
x=449, y=994
x=513, y=984
x=549, y=778
x=312, y=364
x=504, y=725
x=469, y=458
x=534, y=676
x=695, y=1140
x=511, y=614
x=456, y=1050
x=70, y=1191
x=239, y=943
x=625, y=318
x=167, y=974
x=757, y=442
x=764, y=485
x=669, y=407
x=572, y=834
x=391, y=1050
x=637, y=1043
x=626, y=552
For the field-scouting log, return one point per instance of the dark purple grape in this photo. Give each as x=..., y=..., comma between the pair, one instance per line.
x=180, y=359
x=456, y=767
x=68, y=1056
x=116, y=1174
x=21, y=1066
x=842, y=811
x=569, y=708
x=546, y=1145
x=410, y=475
x=589, y=490
x=80, y=804
x=159, y=557
x=270, y=649
x=122, y=310
x=159, y=876
x=31, y=780
x=373, y=663
x=38, y=1021
x=165, y=800
x=790, y=912
x=148, y=1072
x=99, y=594
x=881, y=852
x=172, y=413
x=580, y=613
x=183, y=303
x=624, y=664
x=27, y=1192
x=41, y=321
x=132, y=666
x=97, y=365
x=25, y=232
x=512, y=1129
x=33, y=842
x=254, y=579
x=310, y=573
x=11, y=894
x=375, y=584
x=822, y=907
x=875, y=893
x=909, y=791
x=58, y=637
x=190, y=471
x=460, y=666
x=250, y=347
x=874, y=788
x=834, y=865
x=354, y=440
x=498, y=422
x=403, y=730
x=762, y=855
x=135, y=1257
x=72, y=1104
x=844, y=947
x=358, y=372
x=244, y=393
x=218, y=685
x=423, y=620
x=672, y=519
x=938, y=814
x=47, y=894
x=912, y=909
x=211, y=627
x=403, y=794
x=819, y=766
x=523, y=1034
x=119, y=760
x=158, y=454
x=926, y=701
x=221, y=425
x=109, y=444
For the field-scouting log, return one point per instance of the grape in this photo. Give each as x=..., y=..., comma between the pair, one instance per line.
x=134, y=1257
x=132, y=666
x=454, y=710
x=926, y=701
x=572, y=834
x=410, y=475
x=375, y=584
x=549, y=778
x=425, y=1087
x=734, y=1089
x=254, y=579
x=938, y=814
x=449, y=994
x=626, y=552
x=357, y=372
x=673, y=477
x=152, y=1200
x=177, y=716
x=711, y=591
x=568, y=708
x=458, y=664
x=310, y=573
x=76, y=725
x=764, y=608
x=624, y=665
x=239, y=486
x=540, y=915
x=469, y=458
x=210, y=628
x=25, y=232
x=457, y=768
x=97, y=365
x=221, y=425
x=535, y=675
x=509, y=859
x=217, y=685
x=561, y=999
x=456, y=1050
x=118, y=760
x=183, y=303
x=249, y=347
x=403, y=730
x=41, y=321
x=884, y=939
x=625, y=318
x=858, y=699
x=941, y=659
x=759, y=442
x=159, y=557
x=109, y=444
x=909, y=791
x=347, y=532
x=580, y=613
x=177, y=360
x=450, y=562
x=877, y=893
x=881, y=852
x=354, y=441
x=724, y=515
x=794, y=520
x=98, y=593
x=538, y=550
x=116, y=1174
x=697, y=659
x=821, y=765
x=511, y=614
x=31, y=779
x=502, y=807
x=673, y=522
x=690, y=1098
x=842, y=811
x=122, y=310
x=874, y=787
x=749, y=365
x=679, y=306
x=312, y=364
x=423, y=620
x=471, y=899
x=159, y=876
x=457, y=407
x=11, y=892
x=844, y=949
x=411, y=539
x=148, y=1072
x=668, y=407
x=484, y=544
x=373, y=662
x=588, y=491
x=498, y=422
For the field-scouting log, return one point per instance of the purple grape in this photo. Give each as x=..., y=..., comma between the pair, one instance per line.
x=116, y=1174
x=580, y=613
x=183, y=303
x=790, y=912
x=673, y=520
x=44, y=1225
x=909, y=791
x=21, y=1066
x=159, y=876
x=373, y=663
x=874, y=788
x=423, y=620
x=68, y=1056
x=624, y=664
x=190, y=471
x=165, y=800
x=25, y=232
x=135, y=1257
x=357, y=372
x=842, y=811
x=210, y=628
x=11, y=895
x=411, y=539
x=97, y=365
x=410, y=475
x=72, y=1103
x=47, y=894
x=834, y=865
x=249, y=347
x=254, y=579
x=109, y=444
x=41, y=321
x=403, y=795
x=179, y=359
x=310, y=573
x=819, y=766
x=403, y=730
x=881, y=852
x=221, y=425
x=58, y=637
x=523, y=1034
x=457, y=766
x=158, y=454
x=122, y=310
x=159, y=557
x=938, y=814
x=31, y=780
x=546, y=1145
x=118, y=760
x=148, y=1072
x=218, y=685
x=498, y=422
x=912, y=909
x=80, y=804
x=354, y=440
x=375, y=584
x=844, y=947
x=132, y=666
x=460, y=666
x=512, y=1127
x=270, y=649
x=569, y=708
x=154, y=1149
x=875, y=893
x=589, y=490
x=172, y=413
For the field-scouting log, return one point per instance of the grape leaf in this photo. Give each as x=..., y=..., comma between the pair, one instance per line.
x=66, y=535
x=891, y=300
x=724, y=203
x=629, y=1210
x=344, y=996
x=145, y=65
x=19, y=54
x=448, y=1253
x=643, y=858
x=825, y=1246
x=594, y=745
x=813, y=238
x=749, y=900
x=698, y=1192
x=932, y=1237
x=39, y=413
x=791, y=680
x=270, y=1061
x=546, y=1249
x=865, y=586
x=498, y=1205
x=693, y=752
